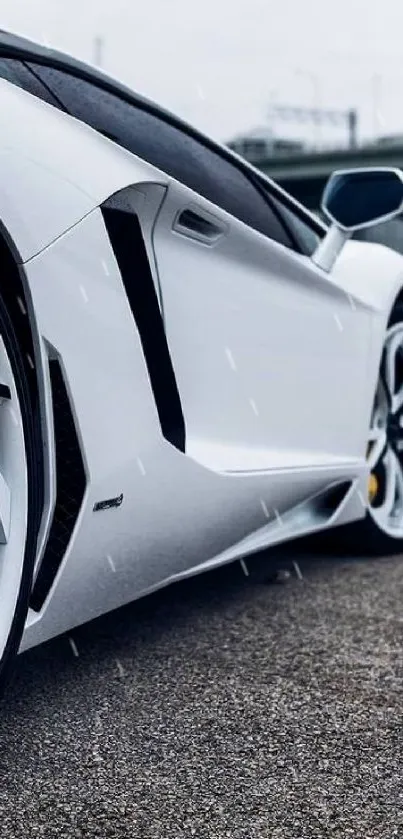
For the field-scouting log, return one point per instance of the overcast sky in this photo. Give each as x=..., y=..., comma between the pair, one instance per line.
x=218, y=63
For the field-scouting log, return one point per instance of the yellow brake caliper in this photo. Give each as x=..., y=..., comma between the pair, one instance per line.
x=373, y=485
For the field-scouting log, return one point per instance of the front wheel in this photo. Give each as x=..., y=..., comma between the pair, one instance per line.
x=381, y=532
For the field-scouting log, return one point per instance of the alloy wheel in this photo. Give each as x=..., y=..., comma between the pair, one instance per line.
x=385, y=447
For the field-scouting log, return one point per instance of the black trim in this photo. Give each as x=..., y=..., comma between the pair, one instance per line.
x=71, y=483
x=127, y=242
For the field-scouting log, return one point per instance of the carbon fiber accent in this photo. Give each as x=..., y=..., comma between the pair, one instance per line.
x=71, y=483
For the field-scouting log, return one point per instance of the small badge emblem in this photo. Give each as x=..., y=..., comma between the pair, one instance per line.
x=108, y=504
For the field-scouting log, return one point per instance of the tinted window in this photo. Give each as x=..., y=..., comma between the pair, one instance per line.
x=304, y=232
x=15, y=72
x=166, y=146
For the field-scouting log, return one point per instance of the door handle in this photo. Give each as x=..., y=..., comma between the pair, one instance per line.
x=199, y=225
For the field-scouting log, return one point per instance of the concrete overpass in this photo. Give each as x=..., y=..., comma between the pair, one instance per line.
x=305, y=174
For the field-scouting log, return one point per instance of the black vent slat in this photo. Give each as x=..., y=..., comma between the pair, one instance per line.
x=127, y=242
x=71, y=483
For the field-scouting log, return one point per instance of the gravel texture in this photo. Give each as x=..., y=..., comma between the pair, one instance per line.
x=226, y=707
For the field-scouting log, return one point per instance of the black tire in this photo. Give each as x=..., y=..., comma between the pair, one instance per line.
x=30, y=419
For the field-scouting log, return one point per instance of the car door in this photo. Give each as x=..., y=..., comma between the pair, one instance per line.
x=267, y=351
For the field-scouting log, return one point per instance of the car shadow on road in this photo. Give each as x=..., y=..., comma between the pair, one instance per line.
x=97, y=645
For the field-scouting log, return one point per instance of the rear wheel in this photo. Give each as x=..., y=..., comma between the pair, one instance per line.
x=19, y=485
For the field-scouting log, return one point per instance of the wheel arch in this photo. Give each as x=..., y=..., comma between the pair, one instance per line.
x=15, y=291
x=398, y=301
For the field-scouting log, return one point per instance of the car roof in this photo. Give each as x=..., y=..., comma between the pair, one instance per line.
x=15, y=46
x=23, y=49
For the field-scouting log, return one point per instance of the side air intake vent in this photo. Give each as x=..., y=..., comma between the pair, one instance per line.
x=329, y=501
x=127, y=242
x=71, y=482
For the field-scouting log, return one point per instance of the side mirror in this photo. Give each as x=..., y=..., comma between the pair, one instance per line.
x=355, y=199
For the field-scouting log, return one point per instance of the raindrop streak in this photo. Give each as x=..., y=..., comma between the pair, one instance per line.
x=339, y=323
x=278, y=517
x=73, y=646
x=253, y=405
x=264, y=508
x=244, y=567
x=111, y=563
x=84, y=294
x=14, y=416
x=21, y=305
x=230, y=358
x=105, y=267
x=141, y=466
x=120, y=667
x=297, y=569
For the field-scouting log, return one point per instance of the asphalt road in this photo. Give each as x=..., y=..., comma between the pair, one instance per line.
x=224, y=707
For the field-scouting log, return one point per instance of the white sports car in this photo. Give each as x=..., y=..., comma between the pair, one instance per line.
x=192, y=367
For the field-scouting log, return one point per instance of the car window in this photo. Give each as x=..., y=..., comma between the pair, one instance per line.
x=305, y=233
x=167, y=147
x=17, y=73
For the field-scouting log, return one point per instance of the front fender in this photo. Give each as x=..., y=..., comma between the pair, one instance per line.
x=370, y=273
x=373, y=275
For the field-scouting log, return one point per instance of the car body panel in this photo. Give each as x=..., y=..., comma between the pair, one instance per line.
x=253, y=328
x=153, y=537
x=275, y=363
x=178, y=515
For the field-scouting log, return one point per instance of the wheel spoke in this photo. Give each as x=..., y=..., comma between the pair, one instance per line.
x=383, y=397
x=385, y=440
x=378, y=439
x=399, y=483
x=392, y=347
x=397, y=401
x=5, y=511
x=383, y=386
x=391, y=481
